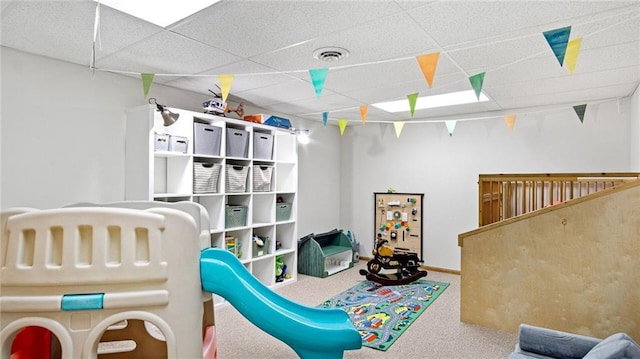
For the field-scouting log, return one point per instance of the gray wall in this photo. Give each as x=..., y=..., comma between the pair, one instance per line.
x=62, y=141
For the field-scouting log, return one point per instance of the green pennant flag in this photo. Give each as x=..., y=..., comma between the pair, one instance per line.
x=317, y=78
x=558, y=39
x=412, y=102
x=580, y=109
x=476, y=83
x=325, y=118
x=147, y=79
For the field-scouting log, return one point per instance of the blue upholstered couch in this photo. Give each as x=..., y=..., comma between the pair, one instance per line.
x=539, y=343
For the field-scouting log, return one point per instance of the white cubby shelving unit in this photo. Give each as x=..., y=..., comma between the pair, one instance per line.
x=163, y=175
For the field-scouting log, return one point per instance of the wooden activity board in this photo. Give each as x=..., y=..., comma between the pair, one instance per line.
x=398, y=219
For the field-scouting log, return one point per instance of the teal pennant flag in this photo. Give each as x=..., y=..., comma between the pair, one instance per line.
x=580, y=109
x=325, y=118
x=476, y=83
x=558, y=40
x=317, y=78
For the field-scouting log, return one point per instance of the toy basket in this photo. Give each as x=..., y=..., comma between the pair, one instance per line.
x=262, y=178
x=236, y=178
x=205, y=177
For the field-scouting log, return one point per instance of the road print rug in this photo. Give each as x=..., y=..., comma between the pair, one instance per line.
x=382, y=313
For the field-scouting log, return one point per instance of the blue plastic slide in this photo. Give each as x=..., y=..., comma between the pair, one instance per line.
x=313, y=333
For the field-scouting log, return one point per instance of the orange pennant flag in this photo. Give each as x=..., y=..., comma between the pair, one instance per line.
x=510, y=120
x=225, y=85
x=428, y=65
x=571, y=55
x=363, y=113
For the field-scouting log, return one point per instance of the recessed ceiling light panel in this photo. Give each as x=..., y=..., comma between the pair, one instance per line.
x=160, y=12
x=442, y=100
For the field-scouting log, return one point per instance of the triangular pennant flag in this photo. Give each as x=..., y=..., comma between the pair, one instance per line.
x=558, y=40
x=325, y=118
x=147, y=79
x=476, y=83
x=428, y=65
x=317, y=78
x=412, y=102
x=342, y=124
x=580, y=109
x=363, y=113
x=398, y=125
x=571, y=57
x=225, y=85
x=510, y=120
x=451, y=125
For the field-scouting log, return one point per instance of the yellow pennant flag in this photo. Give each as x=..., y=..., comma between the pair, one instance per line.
x=398, y=125
x=510, y=120
x=428, y=65
x=225, y=85
x=342, y=124
x=363, y=113
x=571, y=55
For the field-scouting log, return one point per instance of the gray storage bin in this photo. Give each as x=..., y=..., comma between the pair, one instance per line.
x=262, y=145
x=235, y=216
x=205, y=177
x=236, y=176
x=262, y=178
x=237, y=143
x=178, y=144
x=206, y=139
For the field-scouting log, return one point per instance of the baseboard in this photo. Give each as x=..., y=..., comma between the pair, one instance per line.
x=427, y=268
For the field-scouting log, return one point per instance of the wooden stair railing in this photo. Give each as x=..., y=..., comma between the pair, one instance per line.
x=502, y=196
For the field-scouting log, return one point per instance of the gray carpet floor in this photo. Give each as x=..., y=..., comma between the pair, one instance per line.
x=437, y=333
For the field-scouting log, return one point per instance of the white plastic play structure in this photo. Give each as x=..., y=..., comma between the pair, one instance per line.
x=58, y=266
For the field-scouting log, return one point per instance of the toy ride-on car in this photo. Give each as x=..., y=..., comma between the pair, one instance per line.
x=406, y=264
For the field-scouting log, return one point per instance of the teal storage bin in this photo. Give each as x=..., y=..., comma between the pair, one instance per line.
x=283, y=212
x=235, y=216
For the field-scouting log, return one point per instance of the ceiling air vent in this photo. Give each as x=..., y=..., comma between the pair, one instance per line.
x=330, y=54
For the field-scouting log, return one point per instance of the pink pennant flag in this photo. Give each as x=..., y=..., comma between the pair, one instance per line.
x=363, y=113
x=428, y=63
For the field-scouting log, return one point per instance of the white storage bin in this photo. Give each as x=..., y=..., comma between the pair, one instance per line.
x=206, y=139
x=236, y=176
x=262, y=178
x=160, y=142
x=178, y=144
x=205, y=177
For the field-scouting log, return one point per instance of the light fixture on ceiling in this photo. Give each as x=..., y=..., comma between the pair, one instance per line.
x=160, y=12
x=330, y=54
x=303, y=136
x=433, y=101
x=169, y=117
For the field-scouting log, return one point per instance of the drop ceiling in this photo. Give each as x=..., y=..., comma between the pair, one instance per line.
x=269, y=46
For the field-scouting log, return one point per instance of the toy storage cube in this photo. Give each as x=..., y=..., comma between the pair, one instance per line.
x=235, y=216
x=322, y=255
x=206, y=139
x=260, y=250
x=236, y=178
x=161, y=142
x=283, y=211
x=205, y=177
x=237, y=143
x=262, y=178
x=262, y=146
x=178, y=144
